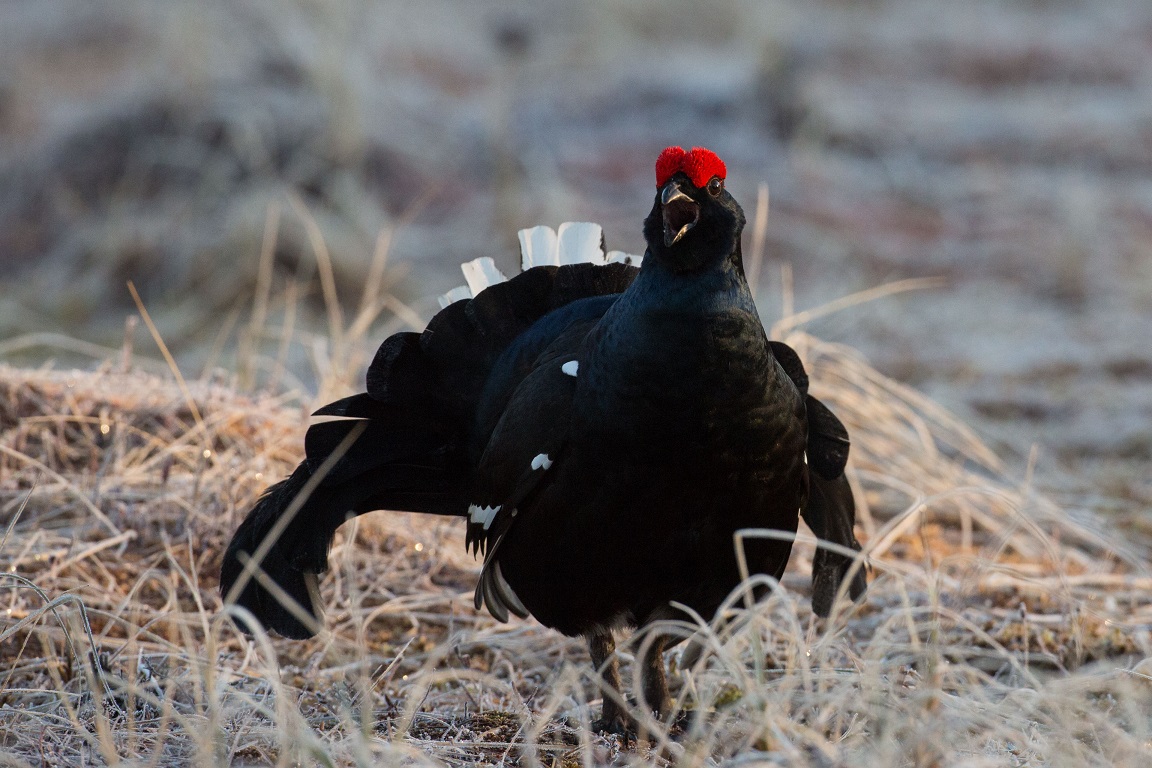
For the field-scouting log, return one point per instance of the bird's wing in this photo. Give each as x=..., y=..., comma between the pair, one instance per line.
x=528, y=440
x=830, y=510
x=831, y=514
x=828, y=442
x=791, y=363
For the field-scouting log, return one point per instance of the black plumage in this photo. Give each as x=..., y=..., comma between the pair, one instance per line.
x=604, y=429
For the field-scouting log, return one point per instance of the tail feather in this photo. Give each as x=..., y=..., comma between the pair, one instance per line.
x=276, y=563
x=399, y=372
x=394, y=435
x=464, y=340
x=384, y=457
x=403, y=444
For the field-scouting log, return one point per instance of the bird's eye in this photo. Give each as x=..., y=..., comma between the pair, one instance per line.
x=715, y=186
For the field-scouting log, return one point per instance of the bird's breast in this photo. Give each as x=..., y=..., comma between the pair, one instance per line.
x=668, y=381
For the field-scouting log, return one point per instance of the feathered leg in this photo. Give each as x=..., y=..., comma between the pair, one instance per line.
x=613, y=718
x=653, y=678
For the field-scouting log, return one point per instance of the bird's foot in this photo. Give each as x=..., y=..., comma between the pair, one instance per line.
x=680, y=724
x=615, y=721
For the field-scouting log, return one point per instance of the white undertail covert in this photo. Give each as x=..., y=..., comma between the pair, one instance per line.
x=573, y=242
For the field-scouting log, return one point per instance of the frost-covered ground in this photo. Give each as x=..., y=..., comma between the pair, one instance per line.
x=1006, y=146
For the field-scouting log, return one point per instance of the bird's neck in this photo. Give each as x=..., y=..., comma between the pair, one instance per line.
x=676, y=342
x=660, y=290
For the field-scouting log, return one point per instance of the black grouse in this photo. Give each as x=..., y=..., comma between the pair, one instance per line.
x=604, y=429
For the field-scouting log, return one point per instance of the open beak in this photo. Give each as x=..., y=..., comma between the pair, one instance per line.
x=680, y=211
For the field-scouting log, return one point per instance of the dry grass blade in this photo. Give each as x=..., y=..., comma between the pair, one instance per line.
x=19, y=511
x=259, y=318
x=792, y=320
x=759, y=234
x=327, y=276
x=59, y=341
x=167, y=356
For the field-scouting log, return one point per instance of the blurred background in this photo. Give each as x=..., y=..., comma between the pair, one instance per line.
x=1005, y=147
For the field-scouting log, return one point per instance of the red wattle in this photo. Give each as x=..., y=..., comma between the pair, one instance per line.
x=668, y=163
x=700, y=165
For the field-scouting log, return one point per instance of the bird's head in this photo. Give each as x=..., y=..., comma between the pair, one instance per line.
x=694, y=220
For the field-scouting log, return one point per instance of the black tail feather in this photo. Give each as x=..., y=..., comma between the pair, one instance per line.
x=831, y=514
x=384, y=457
x=277, y=564
x=464, y=340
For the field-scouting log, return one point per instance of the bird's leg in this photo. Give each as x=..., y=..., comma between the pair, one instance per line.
x=656, y=696
x=613, y=718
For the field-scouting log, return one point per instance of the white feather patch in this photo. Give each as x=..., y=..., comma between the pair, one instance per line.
x=572, y=367
x=542, y=461
x=481, y=273
x=579, y=242
x=574, y=242
x=482, y=515
x=619, y=257
x=538, y=247
x=458, y=293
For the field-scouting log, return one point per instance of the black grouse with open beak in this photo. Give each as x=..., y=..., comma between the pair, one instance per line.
x=603, y=431
x=680, y=211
